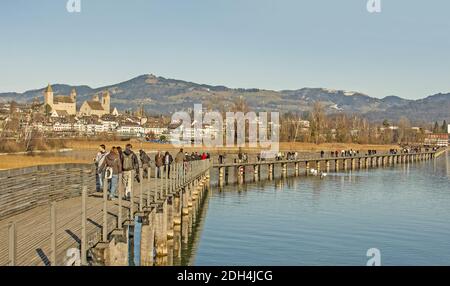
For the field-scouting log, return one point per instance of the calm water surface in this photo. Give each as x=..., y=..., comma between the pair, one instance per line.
x=404, y=211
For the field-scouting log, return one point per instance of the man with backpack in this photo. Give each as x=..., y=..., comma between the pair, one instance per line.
x=130, y=165
x=145, y=160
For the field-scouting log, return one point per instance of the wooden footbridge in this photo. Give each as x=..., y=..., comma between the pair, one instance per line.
x=319, y=164
x=52, y=215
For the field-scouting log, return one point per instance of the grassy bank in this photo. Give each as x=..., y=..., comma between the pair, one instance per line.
x=21, y=161
x=40, y=144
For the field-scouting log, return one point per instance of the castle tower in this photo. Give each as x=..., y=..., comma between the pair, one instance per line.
x=48, y=96
x=73, y=95
x=106, y=102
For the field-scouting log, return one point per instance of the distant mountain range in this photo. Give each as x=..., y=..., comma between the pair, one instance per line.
x=160, y=95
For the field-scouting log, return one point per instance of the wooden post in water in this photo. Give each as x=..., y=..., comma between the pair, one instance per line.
x=307, y=167
x=147, y=239
x=297, y=169
x=53, y=233
x=270, y=172
x=256, y=172
x=221, y=175
x=327, y=166
x=83, y=246
x=12, y=243
x=336, y=165
x=284, y=169
x=318, y=166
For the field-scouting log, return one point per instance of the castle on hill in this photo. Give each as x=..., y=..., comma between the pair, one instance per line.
x=67, y=104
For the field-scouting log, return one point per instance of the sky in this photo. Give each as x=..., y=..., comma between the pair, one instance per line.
x=269, y=44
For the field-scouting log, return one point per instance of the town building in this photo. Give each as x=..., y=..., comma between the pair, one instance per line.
x=440, y=139
x=60, y=102
x=99, y=105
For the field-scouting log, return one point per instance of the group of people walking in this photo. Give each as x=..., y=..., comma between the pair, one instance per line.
x=113, y=163
x=110, y=164
x=342, y=153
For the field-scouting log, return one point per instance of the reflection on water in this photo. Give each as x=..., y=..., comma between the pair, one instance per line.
x=401, y=210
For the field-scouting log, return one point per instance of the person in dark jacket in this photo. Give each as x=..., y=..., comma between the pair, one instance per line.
x=168, y=159
x=130, y=166
x=159, y=162
x=145, y=160
x=112, y=166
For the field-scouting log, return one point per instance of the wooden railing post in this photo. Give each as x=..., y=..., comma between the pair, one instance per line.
x=83, y=246
x=131, y=217
x=53, y=233
x=12, y=243
x=120, y=191
x=141, y=189
x=166, y=174
x=156, y=185
x=149, y=173
x=161, y=182
x=105, y=210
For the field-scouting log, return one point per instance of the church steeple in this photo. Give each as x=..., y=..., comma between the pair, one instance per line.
x=49, y=89
x=73, y=95
x=48, y=96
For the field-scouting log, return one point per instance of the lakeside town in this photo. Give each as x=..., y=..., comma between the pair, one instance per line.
x=59, y=116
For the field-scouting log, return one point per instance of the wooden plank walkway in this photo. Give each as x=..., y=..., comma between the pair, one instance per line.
x=33, y=227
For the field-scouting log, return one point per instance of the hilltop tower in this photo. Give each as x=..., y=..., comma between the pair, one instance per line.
x=106, y=102
x=48, y=96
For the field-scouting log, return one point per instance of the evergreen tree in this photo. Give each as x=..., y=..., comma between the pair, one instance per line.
x=436, y=127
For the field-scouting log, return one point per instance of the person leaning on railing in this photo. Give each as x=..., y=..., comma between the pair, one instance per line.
x=98, y=160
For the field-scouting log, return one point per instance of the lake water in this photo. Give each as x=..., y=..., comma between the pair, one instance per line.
x=404, y=211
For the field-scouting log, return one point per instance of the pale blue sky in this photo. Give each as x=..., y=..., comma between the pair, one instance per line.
x=273, y=44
